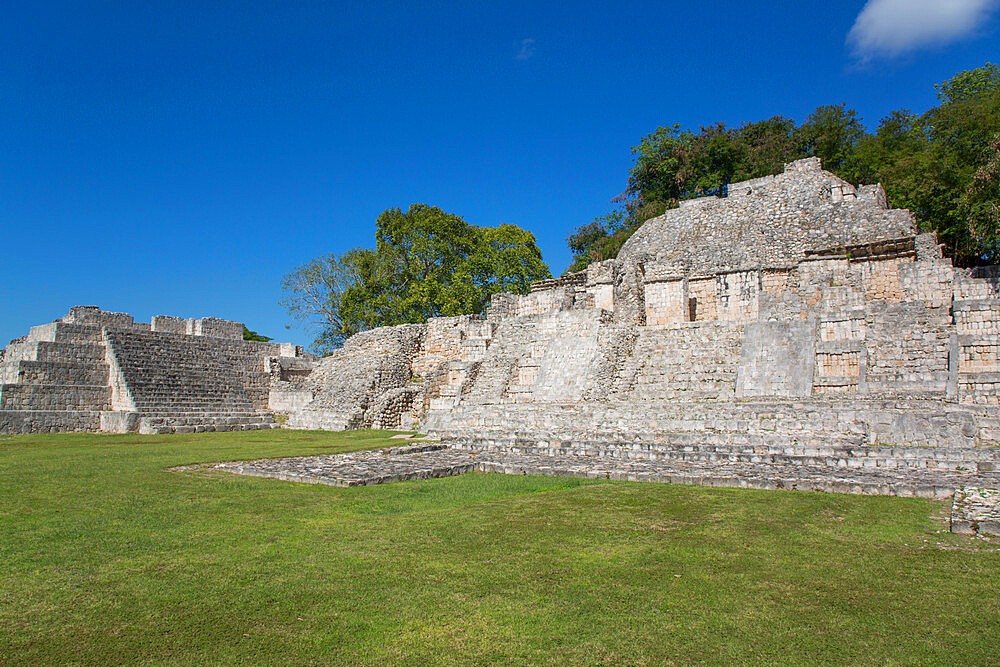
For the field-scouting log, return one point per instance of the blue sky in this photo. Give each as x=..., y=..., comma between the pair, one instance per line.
x=180, y=158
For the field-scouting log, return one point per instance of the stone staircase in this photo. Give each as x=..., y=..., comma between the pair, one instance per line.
x=842, y=433
x=190, y=385
x=96, y=370
x=199, y=421
x=911, y=447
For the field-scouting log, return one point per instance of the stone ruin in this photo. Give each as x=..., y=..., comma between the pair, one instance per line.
x=94, y=370
x=796, y=333
x=796, y=309
x=797, y=320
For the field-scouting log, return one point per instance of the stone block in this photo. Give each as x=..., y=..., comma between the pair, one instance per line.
x=778, y=360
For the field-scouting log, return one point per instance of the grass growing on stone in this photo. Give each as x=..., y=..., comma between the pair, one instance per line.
x=109, y=557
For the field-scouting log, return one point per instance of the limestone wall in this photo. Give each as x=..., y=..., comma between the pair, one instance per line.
x=346, y=385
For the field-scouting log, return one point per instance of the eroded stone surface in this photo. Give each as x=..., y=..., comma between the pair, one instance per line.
x=378, y=466
x=976, y=510
x=797, y=310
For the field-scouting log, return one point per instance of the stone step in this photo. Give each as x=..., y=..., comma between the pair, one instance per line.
x=875, y=421
x=724, y=392
x=685, y=377
x=234, y=399
x=215, y=399
x=211, y=427
x=770, y=476
x=76, y=333
x=66, y=352
x=64, y=332
x=198, y=423
x=675, y=438
x=194, y=421
x=740, y=441
x=203, y=413
x=219, y=399
x=833, y=456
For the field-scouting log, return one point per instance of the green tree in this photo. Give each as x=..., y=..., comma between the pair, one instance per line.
x=672, y=164
x=979, y=205
x=603, y=238
x=928, y=163
x=831, y=133
x=504, y=259
x=422, y=249
x=766, y=145
x=933, y=164
x=336, y=294
x=426, y=263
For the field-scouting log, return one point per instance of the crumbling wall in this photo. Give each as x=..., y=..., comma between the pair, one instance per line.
x=768, y=222
x=349, y=381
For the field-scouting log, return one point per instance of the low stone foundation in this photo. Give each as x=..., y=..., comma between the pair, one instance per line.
x=976, y=506
x=380, y=466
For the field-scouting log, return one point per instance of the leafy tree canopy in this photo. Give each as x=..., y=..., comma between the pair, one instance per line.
x=936, y=164
x=426, y=263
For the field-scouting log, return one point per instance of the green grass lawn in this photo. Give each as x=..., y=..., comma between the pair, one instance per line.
x=109, y=557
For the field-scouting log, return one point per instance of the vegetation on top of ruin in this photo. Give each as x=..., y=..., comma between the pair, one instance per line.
x=253, y=335
x=426, y=263
x=942, y=165
x=110, y=557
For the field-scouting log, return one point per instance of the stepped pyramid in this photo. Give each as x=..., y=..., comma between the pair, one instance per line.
x=94, y=370
x=798, y=322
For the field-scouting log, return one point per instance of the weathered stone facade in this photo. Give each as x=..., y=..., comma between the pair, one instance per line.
x=94, y=370
x=797, y=312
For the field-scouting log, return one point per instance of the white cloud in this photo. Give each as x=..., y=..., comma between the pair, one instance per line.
x=526, y=49
x=892, y=27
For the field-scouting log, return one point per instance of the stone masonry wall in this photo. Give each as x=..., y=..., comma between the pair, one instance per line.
x=798, y=311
